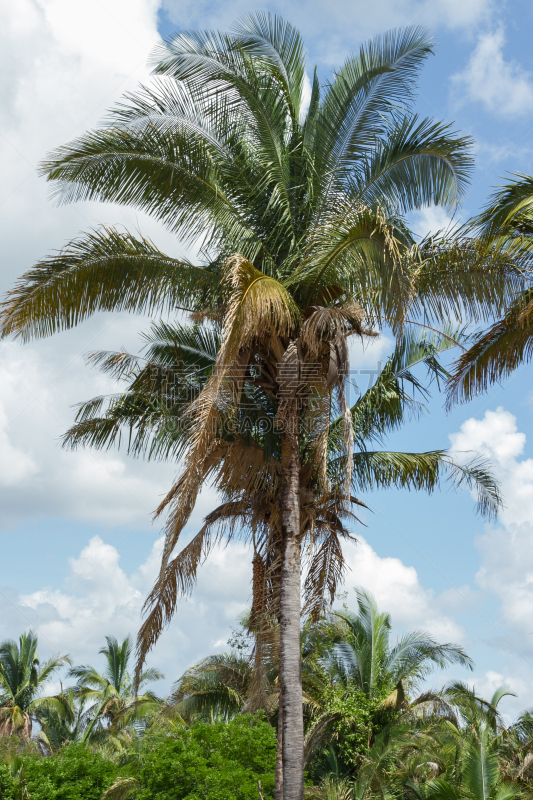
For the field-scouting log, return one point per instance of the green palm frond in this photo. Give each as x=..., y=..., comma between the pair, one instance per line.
x=509, y=210
x=425, y=471
x=496, y=354
x=419, y=164
x=111, y=271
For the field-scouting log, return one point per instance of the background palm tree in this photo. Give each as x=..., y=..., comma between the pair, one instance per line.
x=361, y=662
x=22, y=682
x=109, y=697
x=299, y=216
x=64, y=723
x=469, y=752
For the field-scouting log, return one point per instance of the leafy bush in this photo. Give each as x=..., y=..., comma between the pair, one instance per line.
x=210, y=762
x=75, y=773
x=7, y=786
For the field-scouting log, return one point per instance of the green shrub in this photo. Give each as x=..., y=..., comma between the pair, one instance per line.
x=7, y=788
x=210, y=762
x=75, y=773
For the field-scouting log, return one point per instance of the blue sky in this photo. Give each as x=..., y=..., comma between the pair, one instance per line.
x=79, y=550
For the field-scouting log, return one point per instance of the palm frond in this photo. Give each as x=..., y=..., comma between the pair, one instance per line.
x=103, y=271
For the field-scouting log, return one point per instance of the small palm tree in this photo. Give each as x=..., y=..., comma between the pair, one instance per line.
x=22, y=681
x=477, y=775
x=63, y=724
x=112, y=703
x=363, y=661
x=217, y=688
x=366, y=659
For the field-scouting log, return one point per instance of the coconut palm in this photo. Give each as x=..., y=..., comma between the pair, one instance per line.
x=22, y=682
x=468, y=717
x=366, y=659
x=218, y=687
x=109, y=698
x=179, y=360
x=480, y=777
x=63, y=724
x=506, y=225
x=298, y=215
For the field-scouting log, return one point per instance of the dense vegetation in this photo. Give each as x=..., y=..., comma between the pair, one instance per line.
x=373, y=727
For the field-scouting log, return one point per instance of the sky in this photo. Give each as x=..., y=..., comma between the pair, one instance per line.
x=78, y=547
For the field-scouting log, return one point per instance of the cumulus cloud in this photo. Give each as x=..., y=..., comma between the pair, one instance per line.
x=502, y=86
x=398, y=590
x=98, y=598
x=506, y=570
x=65, y=64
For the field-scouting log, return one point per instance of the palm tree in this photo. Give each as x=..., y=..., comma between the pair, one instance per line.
x=113, y=702
x=22, y=680
x=471, y=747
x=506, y=225
x=363, y=662
x=218, y=688
x=298, y=213
x=147, y=416
x=63, y=724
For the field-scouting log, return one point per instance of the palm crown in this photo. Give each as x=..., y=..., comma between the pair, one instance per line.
x=22, y=680
x=109, y=694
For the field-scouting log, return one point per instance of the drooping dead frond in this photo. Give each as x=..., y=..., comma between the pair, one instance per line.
x=258, y=305
x=325, y=563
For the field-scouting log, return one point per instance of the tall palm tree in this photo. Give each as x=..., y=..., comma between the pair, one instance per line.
x=22, y=681
x=298, y=214
x=180, y=359
x=113, y=702
x=506, y=225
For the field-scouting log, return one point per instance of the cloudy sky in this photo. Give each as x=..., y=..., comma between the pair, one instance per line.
x=78, y=548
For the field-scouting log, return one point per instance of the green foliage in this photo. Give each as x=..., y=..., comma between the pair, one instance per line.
x=76, y=773
x=212, y=762
x=357, y=719
x=7, y=786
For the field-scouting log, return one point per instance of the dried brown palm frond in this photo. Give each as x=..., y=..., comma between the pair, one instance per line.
x=257, y=306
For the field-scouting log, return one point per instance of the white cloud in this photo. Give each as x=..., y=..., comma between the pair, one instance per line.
x=65, y=64
x=506, y=570
x=497, y=437
x=503, y=87
x=397, y=589
x=99, y=599
x=432, y=220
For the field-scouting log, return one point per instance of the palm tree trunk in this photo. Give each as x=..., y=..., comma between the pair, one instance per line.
x=278, y=788
x=290, y=652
